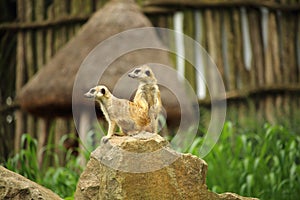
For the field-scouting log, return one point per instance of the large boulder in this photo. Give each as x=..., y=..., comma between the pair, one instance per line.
x=14, y=186
x=144, y=167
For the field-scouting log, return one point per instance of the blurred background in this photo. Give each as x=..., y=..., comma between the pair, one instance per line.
x=255, y=45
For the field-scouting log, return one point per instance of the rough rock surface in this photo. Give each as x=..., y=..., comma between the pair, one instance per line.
x=144, y=167
x=14, y=186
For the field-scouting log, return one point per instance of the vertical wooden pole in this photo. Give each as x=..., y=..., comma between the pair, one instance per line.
x=29, y=61
x=83, y=129
x=227, y=50
x=60, y=130
x=257, y=45
x=43, y=127
x=20, y=69
x=40, y=40
x=212, y=49
x=188, y=28
x=242, y=78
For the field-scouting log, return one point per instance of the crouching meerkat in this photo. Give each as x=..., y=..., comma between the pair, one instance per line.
x=147, y=95
x=124, y=113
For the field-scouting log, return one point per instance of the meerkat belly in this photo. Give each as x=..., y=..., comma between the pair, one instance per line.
x=127, y=125
x=119, y=111
x=147, y=94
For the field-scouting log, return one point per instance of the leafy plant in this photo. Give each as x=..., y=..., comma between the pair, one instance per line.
x=263, y=163
x=60, y=179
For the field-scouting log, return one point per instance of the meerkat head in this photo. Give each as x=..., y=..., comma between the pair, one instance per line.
x=99, y=92
x=143, y=73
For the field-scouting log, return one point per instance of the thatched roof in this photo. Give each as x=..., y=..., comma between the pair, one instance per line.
x=49, y=92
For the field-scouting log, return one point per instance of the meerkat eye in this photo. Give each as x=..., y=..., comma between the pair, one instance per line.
x=92, y=91
x=147, y=73
x=103, y=91
x=137, y=71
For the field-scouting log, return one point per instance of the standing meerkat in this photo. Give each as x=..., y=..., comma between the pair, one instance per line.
x=147, y=95
x=127, y=115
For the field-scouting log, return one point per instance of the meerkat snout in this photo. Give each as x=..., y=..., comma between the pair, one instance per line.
x=89, y=94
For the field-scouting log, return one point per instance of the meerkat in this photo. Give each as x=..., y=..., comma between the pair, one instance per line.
x=147, y=95
x=121, y=112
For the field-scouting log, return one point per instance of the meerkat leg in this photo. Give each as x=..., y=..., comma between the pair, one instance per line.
x=111, y=128
x=153, y=119
x=110, y=133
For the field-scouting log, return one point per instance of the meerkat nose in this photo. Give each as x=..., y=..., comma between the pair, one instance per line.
x=130, y=75
x=88, y=95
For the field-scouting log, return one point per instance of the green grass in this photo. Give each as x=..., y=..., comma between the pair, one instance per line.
x=60, y=179
x=263, y=163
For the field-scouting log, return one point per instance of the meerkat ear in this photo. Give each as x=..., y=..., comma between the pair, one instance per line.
x=147, y=73
x=103, y=91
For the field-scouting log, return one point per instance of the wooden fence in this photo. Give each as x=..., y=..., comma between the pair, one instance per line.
x=255, y=45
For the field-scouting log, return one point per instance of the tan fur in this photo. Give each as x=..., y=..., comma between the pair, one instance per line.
x=128, y=116
x=148, y=95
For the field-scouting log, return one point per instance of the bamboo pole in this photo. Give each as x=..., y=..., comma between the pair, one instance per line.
x=43, y=127
x=20, y=68
x=271, y=65
x=171, y=42
x=217, y=15
x=59, y=131
x=291, y=21
x=257, y=45
x=269, y=76
x=212, y=47
x=298, y=46
x=275, y=112
x=188, y=28
x=242, y=77
x=274, y=48
x=40, y=40
x=228, y=49
x=29, y=62
x=249, y=70
x=49, y=47
x=43, y=124
x=59, y=8
x=200, y=55
x=77, y=8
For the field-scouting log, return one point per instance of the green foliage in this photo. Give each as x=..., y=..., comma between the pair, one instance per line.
x=60, y=179
x=263, y=163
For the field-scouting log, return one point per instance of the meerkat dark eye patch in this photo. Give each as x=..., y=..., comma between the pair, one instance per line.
x=147, y=73
x=137, y=71
x=92, y=91
x=103, y=91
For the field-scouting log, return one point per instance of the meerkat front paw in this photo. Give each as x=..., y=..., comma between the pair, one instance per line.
x=105, y=139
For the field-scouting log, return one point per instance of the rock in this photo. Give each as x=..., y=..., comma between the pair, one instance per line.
x=14, y=186
x=144, y=167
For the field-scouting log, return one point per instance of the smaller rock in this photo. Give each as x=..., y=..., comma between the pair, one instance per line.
x=232, y=196
x=16, y=187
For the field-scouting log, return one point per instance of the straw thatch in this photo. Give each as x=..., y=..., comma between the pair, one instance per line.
x=49, y=92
